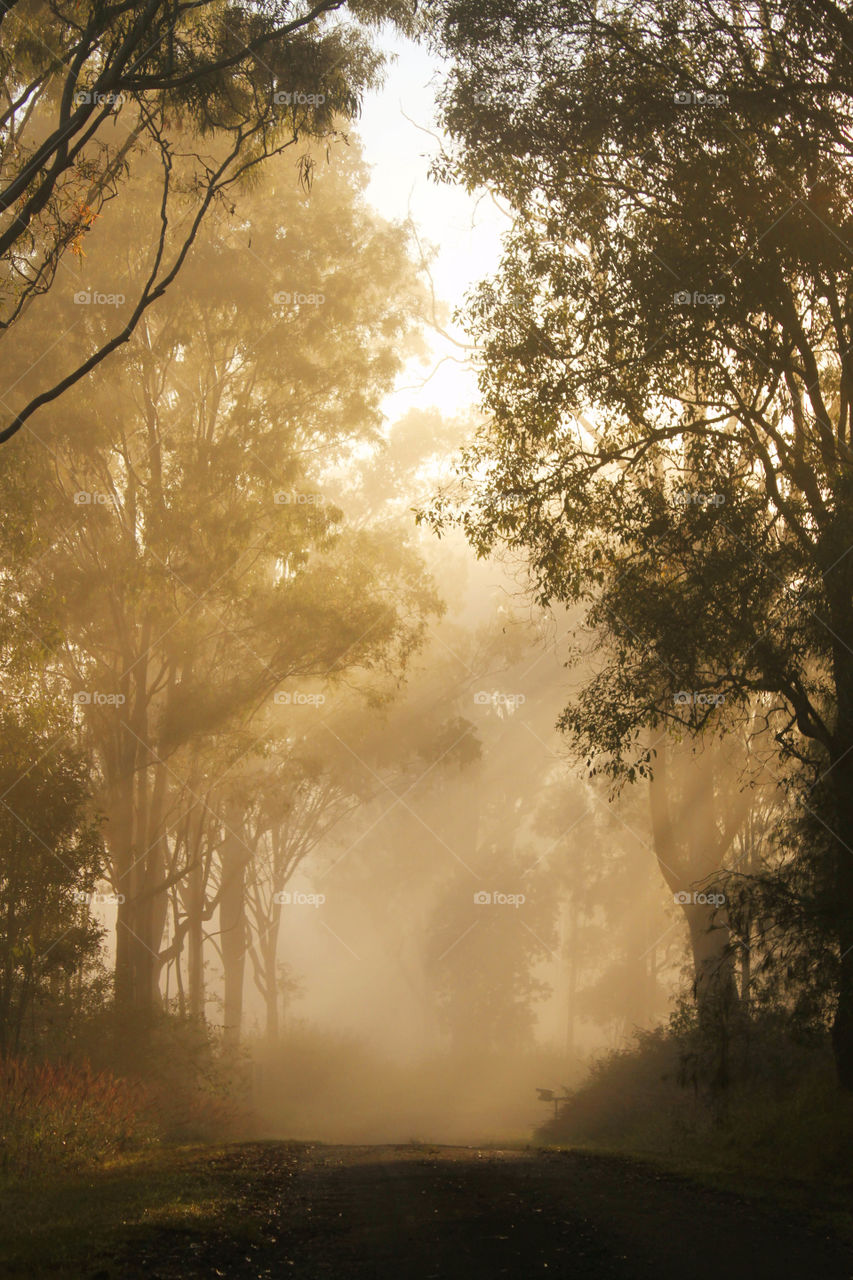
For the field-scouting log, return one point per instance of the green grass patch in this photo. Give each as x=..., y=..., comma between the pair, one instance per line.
x=782, y=1130
x=75, y=1224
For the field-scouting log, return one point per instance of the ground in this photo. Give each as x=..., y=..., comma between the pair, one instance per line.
x=309, y=1210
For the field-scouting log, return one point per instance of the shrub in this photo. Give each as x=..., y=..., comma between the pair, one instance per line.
x=197, y=1087
x=783, y=1111
x=55, y=1115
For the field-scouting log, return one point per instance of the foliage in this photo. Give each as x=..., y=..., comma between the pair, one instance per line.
x=195, y=1085
x=55, y=1115
x=212, y=89
x=665, y=364
x=200, y=566
x=784, y=1114
x=50, y=857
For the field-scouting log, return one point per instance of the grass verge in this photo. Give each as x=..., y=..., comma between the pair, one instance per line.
x=76, y=1224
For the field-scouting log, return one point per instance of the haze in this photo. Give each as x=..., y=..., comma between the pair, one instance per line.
x=427, y=636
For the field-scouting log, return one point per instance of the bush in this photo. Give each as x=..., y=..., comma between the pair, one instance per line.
x=60, y=1116
x=198, y=1088
x=783, y=1113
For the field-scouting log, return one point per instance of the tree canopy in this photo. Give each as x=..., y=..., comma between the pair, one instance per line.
x=666, y=362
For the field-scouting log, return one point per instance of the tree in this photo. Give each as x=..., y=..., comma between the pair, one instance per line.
x=213, y=88
x=482, y=953
x=666, y=363
x=51, y=856
x=198, y=566
x=306, y=784
x=621, y=951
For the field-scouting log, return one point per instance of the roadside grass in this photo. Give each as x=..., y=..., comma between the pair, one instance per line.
x=782, y=1133
x=72, y=1224
x=169, y=1204
x=827, y=1204
x=63, y=1116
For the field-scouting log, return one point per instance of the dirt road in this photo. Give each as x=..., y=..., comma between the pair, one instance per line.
x=437, y=1213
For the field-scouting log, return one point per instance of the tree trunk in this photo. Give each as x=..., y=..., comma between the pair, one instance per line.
x=194, y=906
x=233, y=925
x=572, y=978
x=840, y=789
x=269, y=948
x=137, y=792
x=842, y=1026
x=690, y=850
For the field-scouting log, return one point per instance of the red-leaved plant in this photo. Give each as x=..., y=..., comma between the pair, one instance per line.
x=56, y=1115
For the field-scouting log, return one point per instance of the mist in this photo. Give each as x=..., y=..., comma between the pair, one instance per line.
x=426, y=696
